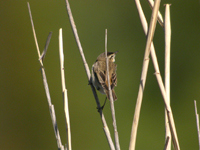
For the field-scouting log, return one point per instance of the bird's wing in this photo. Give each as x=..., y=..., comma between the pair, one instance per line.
x=102, y=79
x=114, y=77
x=101, y=76
x=113, y=80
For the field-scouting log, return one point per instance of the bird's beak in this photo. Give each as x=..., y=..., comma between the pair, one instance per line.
x=116, y=52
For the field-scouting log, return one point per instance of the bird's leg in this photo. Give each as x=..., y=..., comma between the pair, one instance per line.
x=101, y=108
x=104, y=103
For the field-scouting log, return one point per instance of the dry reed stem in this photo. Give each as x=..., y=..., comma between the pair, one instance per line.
x=46, y=47
x=167, y=29
x=105, y=127
x=64, y=90
x=117, y=146
x=51, y=106
x=160, y=18
x=167, y=106
x=159, y=79
x=169, y=112
x=197, y=121
x=145, y=66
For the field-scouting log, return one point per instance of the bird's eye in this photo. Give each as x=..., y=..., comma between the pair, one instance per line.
x=111, y=56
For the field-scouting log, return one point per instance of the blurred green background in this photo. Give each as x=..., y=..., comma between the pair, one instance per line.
x=24, y=114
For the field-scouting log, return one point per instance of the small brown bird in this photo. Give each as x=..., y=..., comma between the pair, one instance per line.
x=99, y=74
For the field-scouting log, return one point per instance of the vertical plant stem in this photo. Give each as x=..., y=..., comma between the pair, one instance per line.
x=111, y=99
x=105, y=127
x=64, y=90
x=145, y=67
x=167, y=106
x=167, y=28
x=197, y=121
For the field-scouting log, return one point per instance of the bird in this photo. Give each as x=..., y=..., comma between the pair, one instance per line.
x=99, y=74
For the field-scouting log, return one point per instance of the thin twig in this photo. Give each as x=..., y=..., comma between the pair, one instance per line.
x=145, y=67
x=64, y=90
x=111, y=99
x=51, y=107
x=46, y=47
x=34, y=34
x=105, y=127
x=197, y=122
x=167, y=28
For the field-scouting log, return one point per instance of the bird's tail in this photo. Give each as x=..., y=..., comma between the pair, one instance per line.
x=113, y=94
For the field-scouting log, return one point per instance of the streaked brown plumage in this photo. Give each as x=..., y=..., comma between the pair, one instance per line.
x=99, y=74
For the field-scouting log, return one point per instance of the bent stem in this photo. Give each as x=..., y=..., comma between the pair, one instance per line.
x=51, y=106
